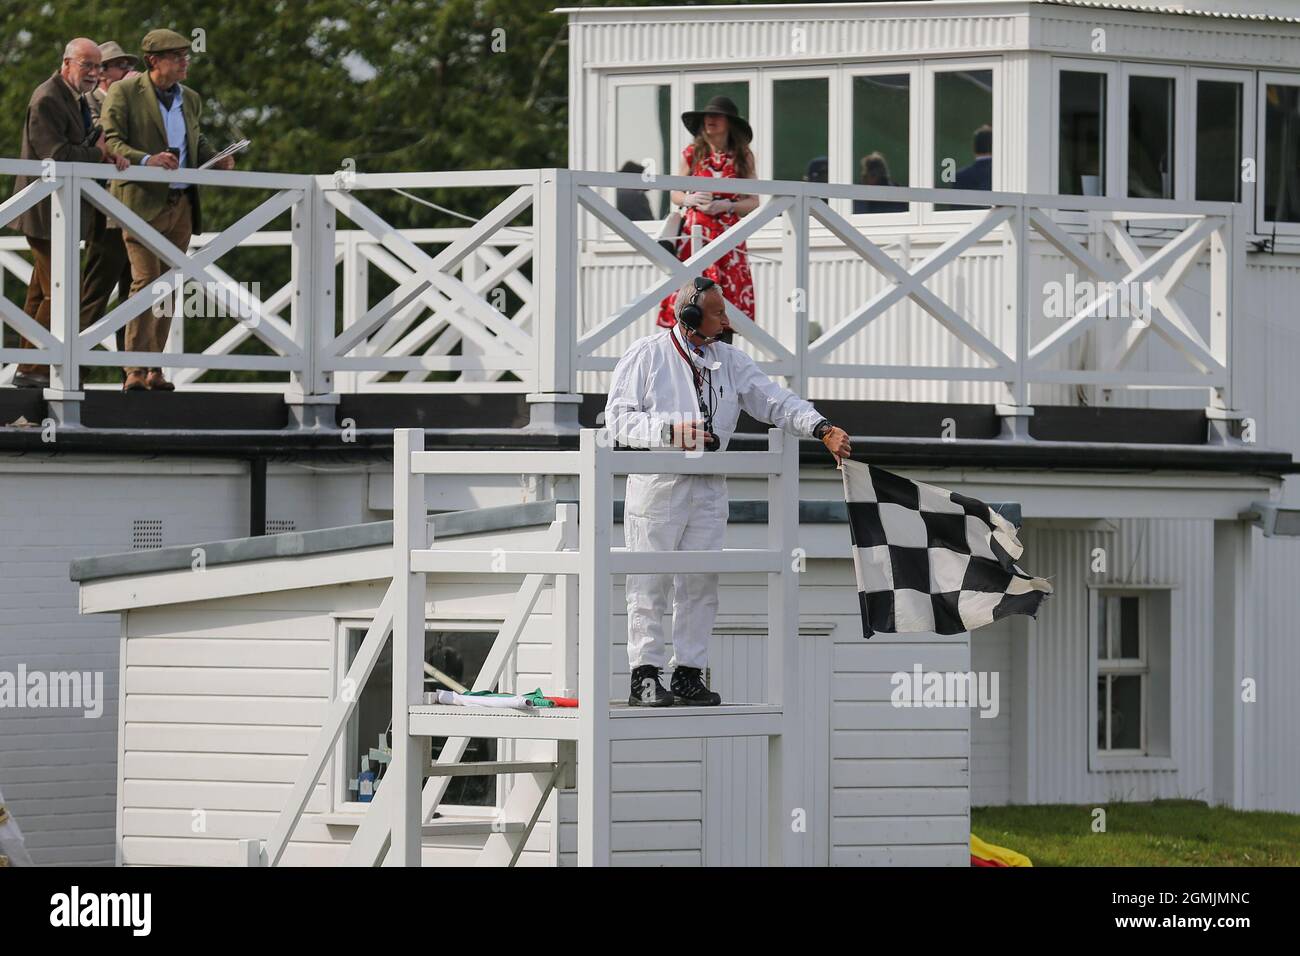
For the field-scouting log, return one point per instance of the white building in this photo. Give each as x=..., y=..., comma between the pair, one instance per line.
x=1140, y=455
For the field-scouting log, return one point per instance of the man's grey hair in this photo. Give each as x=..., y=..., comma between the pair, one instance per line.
x=77, y=46
x=684, y=297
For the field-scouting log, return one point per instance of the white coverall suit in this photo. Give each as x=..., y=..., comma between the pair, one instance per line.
x=653, y=385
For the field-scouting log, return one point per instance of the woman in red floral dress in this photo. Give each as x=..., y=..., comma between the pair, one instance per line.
x=721, y=149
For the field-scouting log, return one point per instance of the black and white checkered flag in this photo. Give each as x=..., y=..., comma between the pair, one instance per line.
x=932, y=560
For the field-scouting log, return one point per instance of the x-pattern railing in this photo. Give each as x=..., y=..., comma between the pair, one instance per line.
x=447, y=316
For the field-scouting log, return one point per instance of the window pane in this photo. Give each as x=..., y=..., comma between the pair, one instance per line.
x=1282, y=153
x=881, y=137
x=1130, y=624
x=963, y=131
x=1103, y=627
x=1103, y=710
x=1083, y=134
x=1126, y=713
x=458, y=656
x=738, y=90
x=801, y=130
x=642, y=140
x=1151, y=137
x=1218, y=141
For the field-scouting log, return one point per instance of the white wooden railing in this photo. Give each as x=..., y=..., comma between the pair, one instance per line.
x=541, y=293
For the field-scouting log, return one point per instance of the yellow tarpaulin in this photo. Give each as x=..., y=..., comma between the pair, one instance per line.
x=997, y=854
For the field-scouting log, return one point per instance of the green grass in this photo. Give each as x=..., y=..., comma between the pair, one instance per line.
x=1161, y=833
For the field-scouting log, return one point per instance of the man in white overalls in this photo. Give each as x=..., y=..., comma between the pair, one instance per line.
x=685, y=389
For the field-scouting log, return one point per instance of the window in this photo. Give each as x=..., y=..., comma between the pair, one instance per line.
x=1082, y=136
x=1281, y=179
x=882, y=149
x=643, y=142
x=1130, y=676
x=963, y=131
x=801, y=129
x=456, y=657
x=1151, y=111
x=1122, y=674
x=738, y=90
x=1219, y=126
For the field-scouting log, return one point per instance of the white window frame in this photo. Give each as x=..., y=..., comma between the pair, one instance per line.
x=765, y=135
x=1111, y=152
x=608, y=144
x=691, y=79
x=925, y=143
x=1182, y=139
x=1266, y=227
x=1101, y=761
x=1245, y=78
x=340, y=775
x=912, y=69
x=1110, y=667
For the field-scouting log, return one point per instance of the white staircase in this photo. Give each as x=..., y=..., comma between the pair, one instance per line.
x=578, y=557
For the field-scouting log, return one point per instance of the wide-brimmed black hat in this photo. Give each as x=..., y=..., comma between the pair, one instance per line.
x=724, y=106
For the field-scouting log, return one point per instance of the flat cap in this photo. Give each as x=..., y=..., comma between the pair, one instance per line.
x=112, y=50
x=160, y=41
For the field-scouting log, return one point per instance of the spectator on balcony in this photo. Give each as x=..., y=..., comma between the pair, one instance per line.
x=107, y=267
x=633, y=203
x=57, y=127
x=721, y=150
x=874, y=171
x=979, y=174
x=153, y=120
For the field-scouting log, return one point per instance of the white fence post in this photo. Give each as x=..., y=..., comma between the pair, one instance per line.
x=65, y=296
x=554, y=399
x=310, y=393
x=783, y=650
x=404, y=772
x=596, y=492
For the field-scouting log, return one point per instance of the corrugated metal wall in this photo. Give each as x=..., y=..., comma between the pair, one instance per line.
x=1155, y=552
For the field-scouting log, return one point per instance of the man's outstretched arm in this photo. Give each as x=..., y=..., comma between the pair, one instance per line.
x=769, y=402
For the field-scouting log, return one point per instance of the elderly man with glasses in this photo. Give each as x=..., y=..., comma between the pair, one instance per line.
x=153, y=120
x=57, y=127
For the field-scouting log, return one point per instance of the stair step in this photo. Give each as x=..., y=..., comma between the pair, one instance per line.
x=489, y=767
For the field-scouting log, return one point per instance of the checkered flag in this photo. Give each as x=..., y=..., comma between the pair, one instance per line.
x=932, y=560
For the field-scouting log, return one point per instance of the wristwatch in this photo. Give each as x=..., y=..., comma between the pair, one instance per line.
x=821, y=428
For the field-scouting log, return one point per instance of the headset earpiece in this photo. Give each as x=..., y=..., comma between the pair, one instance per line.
x=692, y=315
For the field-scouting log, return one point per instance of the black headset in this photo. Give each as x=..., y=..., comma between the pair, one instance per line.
x=692, y=315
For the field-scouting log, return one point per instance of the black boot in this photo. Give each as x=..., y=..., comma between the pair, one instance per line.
x=647, y=691
x=689, y=687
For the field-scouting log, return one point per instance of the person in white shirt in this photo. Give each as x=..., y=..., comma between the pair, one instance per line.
x=682, y=388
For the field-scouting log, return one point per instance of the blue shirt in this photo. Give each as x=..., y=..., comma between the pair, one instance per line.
x=173, y=118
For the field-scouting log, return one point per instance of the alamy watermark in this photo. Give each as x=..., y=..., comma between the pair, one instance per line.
x=53, y=690
x=1118, y=300
x=946, y=689
x=212, y=300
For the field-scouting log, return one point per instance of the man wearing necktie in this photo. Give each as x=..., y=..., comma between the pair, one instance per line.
x=56, y=127
x=153, y=120
x=684, y=388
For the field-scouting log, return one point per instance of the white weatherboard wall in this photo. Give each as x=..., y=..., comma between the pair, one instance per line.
x=58, y=768
x=225, y=696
